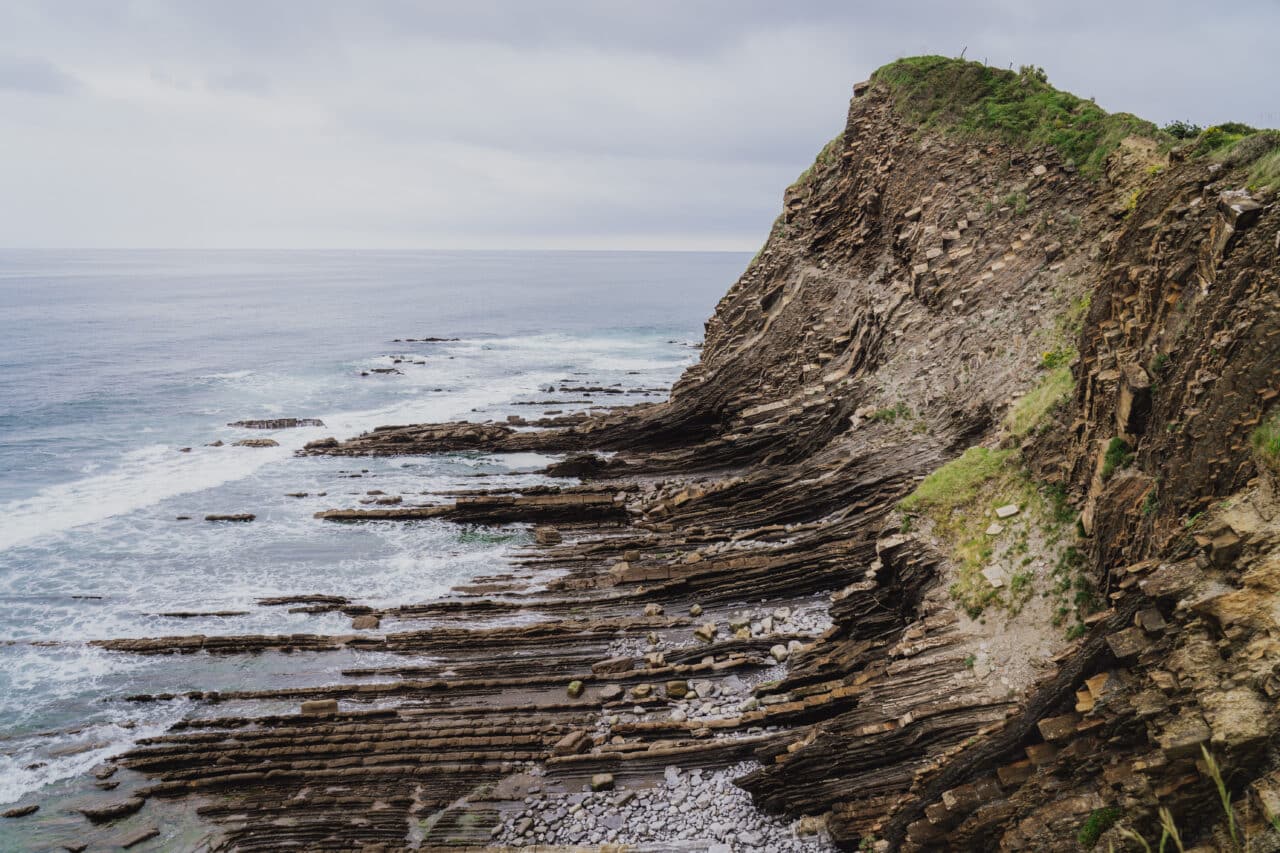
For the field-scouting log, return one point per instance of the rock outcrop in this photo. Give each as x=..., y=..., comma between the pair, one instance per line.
x=923, y=293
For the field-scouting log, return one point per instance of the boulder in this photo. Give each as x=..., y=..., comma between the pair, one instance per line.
x=574, y=689
x=367, y=622
x=602, y=782
x=677, y=689
x=257, y=442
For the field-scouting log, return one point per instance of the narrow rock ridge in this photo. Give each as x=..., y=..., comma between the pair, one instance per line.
x=734, y=580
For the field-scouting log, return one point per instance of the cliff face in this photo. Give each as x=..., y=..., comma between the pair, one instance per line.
x=991, y=386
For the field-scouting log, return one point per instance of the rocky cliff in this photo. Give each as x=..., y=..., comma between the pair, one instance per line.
x=998, y=389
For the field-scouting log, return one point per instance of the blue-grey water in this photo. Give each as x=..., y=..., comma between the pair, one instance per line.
x=112, y=362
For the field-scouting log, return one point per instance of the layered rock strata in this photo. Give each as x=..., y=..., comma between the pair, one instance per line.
x=896, y=312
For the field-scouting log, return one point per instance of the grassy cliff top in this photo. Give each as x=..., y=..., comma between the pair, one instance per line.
x=1019, y=107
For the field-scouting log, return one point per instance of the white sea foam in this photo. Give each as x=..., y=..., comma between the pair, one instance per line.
x=27, y=765
x=156, y=472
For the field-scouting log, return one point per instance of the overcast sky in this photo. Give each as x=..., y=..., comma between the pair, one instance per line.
x=536, y=124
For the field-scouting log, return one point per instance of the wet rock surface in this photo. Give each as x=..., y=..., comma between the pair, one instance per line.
x=727, y=638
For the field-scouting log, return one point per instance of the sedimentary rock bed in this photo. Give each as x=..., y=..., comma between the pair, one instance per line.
x=734, y=585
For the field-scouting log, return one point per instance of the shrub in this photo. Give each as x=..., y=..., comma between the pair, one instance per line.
x=1182, y=129
x=1219, y=137
x=1119, y=455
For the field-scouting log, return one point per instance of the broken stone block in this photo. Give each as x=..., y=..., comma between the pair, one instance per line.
x=1058, y=728
x=1007, y=511
x=1224, y=549
x=574, y=689
x=705, y=632
x=1240, y=210
x=573, y=743
x=995, y=528
x=545, y=535
x=994, y=575
x=677, y=689
x=1133, y=407
x=653, y=610
x=602, y=782
x=320, y=707
x=367, y=622
x=1128, y=643
x=1184, y=736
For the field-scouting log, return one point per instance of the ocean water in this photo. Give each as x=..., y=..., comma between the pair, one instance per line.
x=112, y=362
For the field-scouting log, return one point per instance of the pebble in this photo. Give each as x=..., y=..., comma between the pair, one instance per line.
x=703, y=808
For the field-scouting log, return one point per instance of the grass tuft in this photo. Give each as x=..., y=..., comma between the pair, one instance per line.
x=1266, y=441
x=1020, y=108
x=1098, y=822
x=1031, y=409
x=828, y=155
x=1119, y=455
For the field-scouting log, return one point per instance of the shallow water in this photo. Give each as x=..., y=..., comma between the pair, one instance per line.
x=111, y=362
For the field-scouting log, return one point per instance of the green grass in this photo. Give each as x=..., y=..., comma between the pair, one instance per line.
x=1266, y=441
x=828, y=155
x=1098, y=822
x=1220, y=138
x=956, y=497
x=1265, y=171
x=1032, y=408
x=1119, y=455
x=1020, y=108
x=889, y=414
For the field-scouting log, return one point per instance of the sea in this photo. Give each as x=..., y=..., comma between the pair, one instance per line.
x=120, y=372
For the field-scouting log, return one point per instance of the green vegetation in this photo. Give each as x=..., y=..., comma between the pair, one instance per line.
x=1031, y=409
x=1057, y=357
x=1016, y=200
x=828, y=155
x=1220, y=137
x=956, y=497
x=889, y=414
x=1169, y=828
x=1182, y=129
x=1266, y=441
x=1119, y=455
x=1098, y=822
x=1021, y=108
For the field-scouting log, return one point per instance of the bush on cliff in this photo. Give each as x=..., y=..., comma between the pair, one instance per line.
x=1018, y=107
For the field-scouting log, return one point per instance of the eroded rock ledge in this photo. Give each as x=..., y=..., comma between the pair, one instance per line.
x=898, y=309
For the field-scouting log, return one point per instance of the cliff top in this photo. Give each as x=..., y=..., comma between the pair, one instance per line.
x=1018, y=107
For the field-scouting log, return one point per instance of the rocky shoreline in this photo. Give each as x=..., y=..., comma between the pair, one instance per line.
x=954, y=538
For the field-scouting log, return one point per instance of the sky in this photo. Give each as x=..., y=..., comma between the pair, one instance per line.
x=501, y=124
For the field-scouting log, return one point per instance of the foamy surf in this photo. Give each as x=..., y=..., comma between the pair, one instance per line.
x=158, y=472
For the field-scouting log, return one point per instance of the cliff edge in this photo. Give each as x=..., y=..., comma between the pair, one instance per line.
x=1001, y=389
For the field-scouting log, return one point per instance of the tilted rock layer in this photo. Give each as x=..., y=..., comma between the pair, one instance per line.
x=908, y=297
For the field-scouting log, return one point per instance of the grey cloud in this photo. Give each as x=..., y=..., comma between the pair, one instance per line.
x=36, y=76
x=506, y=123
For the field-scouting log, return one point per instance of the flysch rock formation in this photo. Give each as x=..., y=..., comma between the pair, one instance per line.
x=734, y=603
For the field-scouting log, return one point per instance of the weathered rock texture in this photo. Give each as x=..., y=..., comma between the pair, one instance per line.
x=895, y=281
